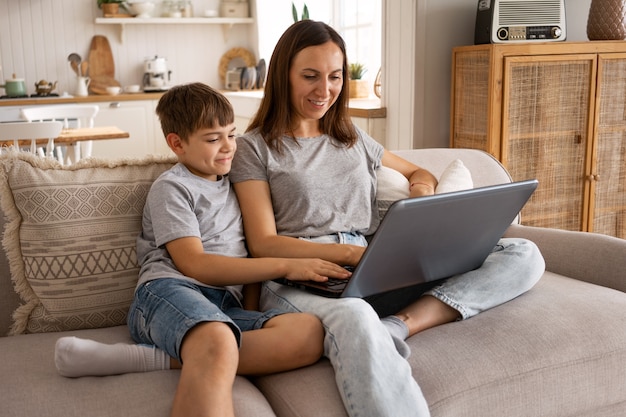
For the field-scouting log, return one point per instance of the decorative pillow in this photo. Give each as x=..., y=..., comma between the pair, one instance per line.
x=393, y=186
x=70, y=237
x=455, y=177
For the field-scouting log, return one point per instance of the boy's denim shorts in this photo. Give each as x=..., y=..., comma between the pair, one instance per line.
x=165, y=309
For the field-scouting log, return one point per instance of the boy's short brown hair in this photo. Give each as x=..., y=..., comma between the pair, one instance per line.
x=184, y=109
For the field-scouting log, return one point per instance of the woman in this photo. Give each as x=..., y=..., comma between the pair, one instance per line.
x=305, y=178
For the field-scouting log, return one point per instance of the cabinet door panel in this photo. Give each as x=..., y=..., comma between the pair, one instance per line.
x=545, y=134
x=130, y=116
x=609, y=169
x=470, y=114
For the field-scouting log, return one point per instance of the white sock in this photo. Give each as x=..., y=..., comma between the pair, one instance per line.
x=399, y=332
x=76, y=357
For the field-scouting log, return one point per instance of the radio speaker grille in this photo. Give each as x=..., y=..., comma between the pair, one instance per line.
x=529, y=12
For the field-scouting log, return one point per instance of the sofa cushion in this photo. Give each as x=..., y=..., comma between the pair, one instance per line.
x=562, y=345
x=31, y=386
x=393, y=186
x=70, y=237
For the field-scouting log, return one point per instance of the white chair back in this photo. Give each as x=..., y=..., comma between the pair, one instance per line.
x=17, y=131
x=78, y=115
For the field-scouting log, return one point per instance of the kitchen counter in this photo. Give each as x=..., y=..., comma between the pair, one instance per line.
x=29, y=101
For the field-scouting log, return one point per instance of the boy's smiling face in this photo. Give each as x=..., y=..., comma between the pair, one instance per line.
x=208, y=152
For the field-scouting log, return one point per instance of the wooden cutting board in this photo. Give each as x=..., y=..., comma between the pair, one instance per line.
x=101, y=58
x=101, y=65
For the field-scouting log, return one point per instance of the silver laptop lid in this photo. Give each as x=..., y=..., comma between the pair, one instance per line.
x=434, y=237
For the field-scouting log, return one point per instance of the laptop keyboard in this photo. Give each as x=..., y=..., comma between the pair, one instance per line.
x=336, y=284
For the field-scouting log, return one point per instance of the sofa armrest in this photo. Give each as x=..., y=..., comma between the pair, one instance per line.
x=591, y=257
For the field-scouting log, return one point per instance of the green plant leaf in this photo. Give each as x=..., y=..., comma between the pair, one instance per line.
x=305, y=12
x=294, y=12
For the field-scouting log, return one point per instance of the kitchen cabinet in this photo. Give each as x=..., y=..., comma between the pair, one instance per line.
x=139, y=120
x=555, y=112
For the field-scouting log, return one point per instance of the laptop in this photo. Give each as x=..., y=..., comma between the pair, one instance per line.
x=424, y=239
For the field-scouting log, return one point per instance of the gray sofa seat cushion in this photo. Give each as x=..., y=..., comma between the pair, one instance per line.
x=30, y=385
x=525, y=357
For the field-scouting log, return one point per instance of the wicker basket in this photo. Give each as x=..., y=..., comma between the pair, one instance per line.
x=607, y=20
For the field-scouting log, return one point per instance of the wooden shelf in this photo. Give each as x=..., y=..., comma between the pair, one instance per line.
x=226, y=22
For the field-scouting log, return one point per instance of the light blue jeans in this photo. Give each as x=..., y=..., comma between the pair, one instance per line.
x=372, y=378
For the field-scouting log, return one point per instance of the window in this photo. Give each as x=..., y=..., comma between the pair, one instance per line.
x=358, y=21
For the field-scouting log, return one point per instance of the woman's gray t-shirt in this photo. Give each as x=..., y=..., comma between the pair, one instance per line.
x=181, y=204
x=318, y=185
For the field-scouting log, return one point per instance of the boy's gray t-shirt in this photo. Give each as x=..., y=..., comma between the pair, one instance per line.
x=181, y=204
x=318, y=186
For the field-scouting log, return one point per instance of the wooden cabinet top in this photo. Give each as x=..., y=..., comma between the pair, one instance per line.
x=547, y=48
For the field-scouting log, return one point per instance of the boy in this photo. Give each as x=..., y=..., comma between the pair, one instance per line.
x=193, y=261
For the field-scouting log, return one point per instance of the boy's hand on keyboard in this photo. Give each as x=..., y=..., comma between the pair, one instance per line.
x=313, y=270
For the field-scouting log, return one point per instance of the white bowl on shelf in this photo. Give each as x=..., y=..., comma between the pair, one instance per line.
x=114, y=90
x=141, y=9
x=133, y=88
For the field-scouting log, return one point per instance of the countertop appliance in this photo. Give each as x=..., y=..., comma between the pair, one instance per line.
x=517, y=21
x=156, y=76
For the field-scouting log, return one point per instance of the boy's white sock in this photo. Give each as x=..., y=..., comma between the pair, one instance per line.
x=76, y=357
x=399, y=332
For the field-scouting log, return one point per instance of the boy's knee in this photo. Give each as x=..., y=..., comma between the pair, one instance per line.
x=210, y=339
x=308, y=337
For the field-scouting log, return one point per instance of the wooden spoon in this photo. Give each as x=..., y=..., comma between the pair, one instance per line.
x=84, y=66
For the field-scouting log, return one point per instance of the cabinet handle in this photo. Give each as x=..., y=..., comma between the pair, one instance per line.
x=114, y=105
x=593, y=177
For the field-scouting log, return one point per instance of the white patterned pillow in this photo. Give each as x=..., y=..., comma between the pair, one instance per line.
x=70, y=237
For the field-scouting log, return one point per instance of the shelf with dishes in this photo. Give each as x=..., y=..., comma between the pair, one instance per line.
x=226, y=22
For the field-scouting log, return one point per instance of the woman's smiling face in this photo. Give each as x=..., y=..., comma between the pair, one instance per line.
x=316, y=80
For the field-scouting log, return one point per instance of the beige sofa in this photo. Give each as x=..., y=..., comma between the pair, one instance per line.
x=559, y=350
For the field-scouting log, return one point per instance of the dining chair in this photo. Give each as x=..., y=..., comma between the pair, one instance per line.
x=72, y=116
x=24, y=131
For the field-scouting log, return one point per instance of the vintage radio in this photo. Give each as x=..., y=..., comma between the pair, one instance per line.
x=516, y=21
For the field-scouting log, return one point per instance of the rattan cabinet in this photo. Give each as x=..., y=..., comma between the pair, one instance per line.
x=555, y=112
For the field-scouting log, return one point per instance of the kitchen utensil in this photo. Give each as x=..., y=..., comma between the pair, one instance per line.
x=133, y=88
x=14, y=87
x=100, y=83
x=100, y=58
x=75, y=60
x=245, y=78
x=81, y=86
x=261, y=70
x=43, y=87
x=84, y=68
x=113, y=90
x=141, y=9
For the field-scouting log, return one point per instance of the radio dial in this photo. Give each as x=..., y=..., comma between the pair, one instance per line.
x=556, y=32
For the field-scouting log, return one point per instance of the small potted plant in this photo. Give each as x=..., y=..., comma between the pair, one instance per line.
x=110, y=8
x=358, y=86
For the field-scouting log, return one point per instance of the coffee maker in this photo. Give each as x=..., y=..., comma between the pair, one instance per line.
x=156, y=76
